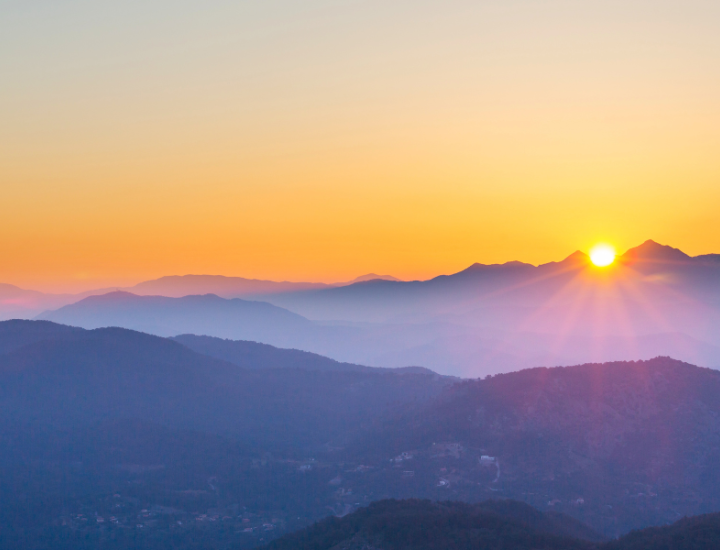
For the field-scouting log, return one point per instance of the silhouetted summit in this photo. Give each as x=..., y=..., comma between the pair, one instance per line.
x=178, y=286
x=577, y=259
x=372, y=277
x=654, y=252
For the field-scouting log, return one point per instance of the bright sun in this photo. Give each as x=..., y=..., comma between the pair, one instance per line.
x=602, y=255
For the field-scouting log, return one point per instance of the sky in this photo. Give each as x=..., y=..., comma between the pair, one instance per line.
x=319, y=140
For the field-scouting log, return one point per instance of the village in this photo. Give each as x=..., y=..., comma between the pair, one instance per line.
x=316, y=487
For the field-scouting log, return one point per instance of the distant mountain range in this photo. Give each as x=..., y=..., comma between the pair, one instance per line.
x=451, y=348
x=371, y=277
x=650, y=272
x=18, y=303
x=163, y=316
x=655, y=300
x=233, y=287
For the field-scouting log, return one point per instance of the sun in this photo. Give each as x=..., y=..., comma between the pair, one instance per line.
x=602, y=255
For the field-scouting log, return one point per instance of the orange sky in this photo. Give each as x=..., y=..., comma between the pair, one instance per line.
x=323, y=141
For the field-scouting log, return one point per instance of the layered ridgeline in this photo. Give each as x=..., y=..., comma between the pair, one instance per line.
x=61, y=377
x=115, y=438
x=20, y=303
x=238, y=454
x=422, y=525
x=655, y=301
x=207, y=315
x=476, y=294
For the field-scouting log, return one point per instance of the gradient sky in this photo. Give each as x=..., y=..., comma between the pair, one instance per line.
x=318, y=140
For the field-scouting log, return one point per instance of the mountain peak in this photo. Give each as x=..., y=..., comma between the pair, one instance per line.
x=655, y=252
x=115, y=295
x=575, y=260
x=578, y=255
x=484, y=267
x=372, y=277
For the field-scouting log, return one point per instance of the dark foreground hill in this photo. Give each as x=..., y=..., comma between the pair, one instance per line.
x=490, y=525
x=424, y=525
x=695, y=533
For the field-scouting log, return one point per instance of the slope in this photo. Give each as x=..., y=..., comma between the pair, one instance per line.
x=618, y=445
x=253, y=355
x=165, y=316
x=79, y=378
x=424, y=525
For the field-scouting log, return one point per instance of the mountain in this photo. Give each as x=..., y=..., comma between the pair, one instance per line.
x=211, y=315
x=165, y=316
x=20, y=303
x=695, y=533
x=253, y=355
x=424, y=525
x=487, y=340
x=654, y=301
x=708, y=258
x=371, y=277
x=117, y=439
x=177, y=286
x=16, y=302
x=79, y=378
x=652, y=252
x=649, y=271
x=617, y=445
x=112, y=423
x=112, y=373
x=16, y=334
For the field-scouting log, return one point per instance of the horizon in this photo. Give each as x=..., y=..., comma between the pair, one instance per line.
x=80, y=287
